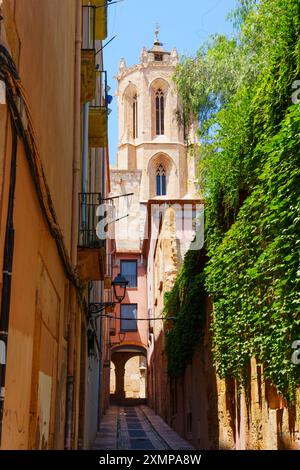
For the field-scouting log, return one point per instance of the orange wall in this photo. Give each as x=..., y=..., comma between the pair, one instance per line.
x=47, y=35
x=36, y=356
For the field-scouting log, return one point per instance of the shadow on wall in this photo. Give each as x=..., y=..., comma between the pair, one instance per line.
x=190, y=403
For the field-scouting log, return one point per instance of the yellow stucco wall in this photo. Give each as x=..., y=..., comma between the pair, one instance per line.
x=37, y=348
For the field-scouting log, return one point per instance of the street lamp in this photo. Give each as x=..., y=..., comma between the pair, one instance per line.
x=119, y=287
x=119, y=284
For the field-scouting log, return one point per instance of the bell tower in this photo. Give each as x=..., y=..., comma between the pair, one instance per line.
x=151, y=140
x=155, y=226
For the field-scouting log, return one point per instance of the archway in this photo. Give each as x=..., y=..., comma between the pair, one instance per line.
x=128, y=375
x=164, y=164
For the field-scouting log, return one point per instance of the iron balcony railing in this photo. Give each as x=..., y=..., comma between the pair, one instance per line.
x=88, y=220
x=88, y=27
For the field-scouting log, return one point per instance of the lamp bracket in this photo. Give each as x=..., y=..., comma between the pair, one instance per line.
x=96, y=307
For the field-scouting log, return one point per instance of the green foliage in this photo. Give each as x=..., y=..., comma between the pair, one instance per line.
x=241, y=89
x=185, y=302
x=253, y=274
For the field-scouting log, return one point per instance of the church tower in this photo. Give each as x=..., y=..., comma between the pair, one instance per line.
x=150, y=139
x=155, y=166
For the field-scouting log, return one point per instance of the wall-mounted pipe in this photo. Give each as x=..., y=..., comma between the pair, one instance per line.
x=85, y=163
x=74, y=231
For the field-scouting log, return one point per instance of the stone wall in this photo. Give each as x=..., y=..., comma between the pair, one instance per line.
x=214, y=414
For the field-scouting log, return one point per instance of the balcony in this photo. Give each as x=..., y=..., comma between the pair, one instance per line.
x=97, y=126
x=99, y=18
x=94, y=23
x=94, y=28
x=88, y=75
x=91, y=250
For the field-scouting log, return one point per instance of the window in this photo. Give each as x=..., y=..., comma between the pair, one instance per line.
x=129, y=271
x=159, y=104
x=158, y=57
x=161, y=187
x=128, y=317
x=135, y=117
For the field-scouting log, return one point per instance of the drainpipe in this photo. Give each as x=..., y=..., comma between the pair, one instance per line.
x=102, y=319
x=85, y=166
x=74, y=230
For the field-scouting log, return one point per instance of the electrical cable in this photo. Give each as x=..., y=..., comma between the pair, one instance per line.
x=20, y=112
x=136, y=319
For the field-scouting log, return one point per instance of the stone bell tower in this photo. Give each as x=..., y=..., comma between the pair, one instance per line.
x=152, y=160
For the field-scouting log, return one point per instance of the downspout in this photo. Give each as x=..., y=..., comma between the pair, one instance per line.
x=74, y=229
x=7, y=271
x=101, y=322
x=85, y=166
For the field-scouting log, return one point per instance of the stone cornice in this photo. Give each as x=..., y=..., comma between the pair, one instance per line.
x=149, y=144
x=155, y=65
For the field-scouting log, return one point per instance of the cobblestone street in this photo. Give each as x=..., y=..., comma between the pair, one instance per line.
x=137, y=428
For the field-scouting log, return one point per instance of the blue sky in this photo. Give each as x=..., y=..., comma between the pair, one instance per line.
x=184, y=24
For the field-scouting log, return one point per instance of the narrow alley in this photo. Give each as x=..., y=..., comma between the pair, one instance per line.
x=136, y=428
x=149, y=226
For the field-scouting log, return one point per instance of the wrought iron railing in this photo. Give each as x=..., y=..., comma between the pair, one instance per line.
x=88, y=220
x=88, y=27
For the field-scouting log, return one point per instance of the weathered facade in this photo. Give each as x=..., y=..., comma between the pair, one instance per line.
x=54, y=352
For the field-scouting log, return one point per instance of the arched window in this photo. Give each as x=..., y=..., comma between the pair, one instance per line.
x=135, y=117
x=159, y=103
x=161, y=187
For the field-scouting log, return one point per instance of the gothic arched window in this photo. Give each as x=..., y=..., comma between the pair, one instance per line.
x=161, y=187
x=160, y=111
x=135, y=117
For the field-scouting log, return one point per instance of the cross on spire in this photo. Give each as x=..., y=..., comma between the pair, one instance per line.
x=157, y=30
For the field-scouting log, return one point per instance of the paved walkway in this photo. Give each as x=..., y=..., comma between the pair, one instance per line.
x=136, y=428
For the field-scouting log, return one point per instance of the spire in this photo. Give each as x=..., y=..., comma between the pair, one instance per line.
x=157, y=31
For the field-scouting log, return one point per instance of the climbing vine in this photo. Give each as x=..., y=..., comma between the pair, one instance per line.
x=241, y=89
x=185, y=303
x=254, y=273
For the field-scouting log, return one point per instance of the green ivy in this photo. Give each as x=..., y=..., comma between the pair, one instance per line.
x=185, y=302
x=241, y=88
x=254, y=273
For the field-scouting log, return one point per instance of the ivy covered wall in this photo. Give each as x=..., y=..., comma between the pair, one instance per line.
x=243, y=89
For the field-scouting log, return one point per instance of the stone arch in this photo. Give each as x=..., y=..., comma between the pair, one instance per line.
x=159, y=82
x=130, y=347
x=129, y=97
x=170, y=170
x=120, y=357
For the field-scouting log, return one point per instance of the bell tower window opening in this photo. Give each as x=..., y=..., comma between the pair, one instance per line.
x=158, y=57
x=161, y=187
x=160, y=102
x=135, y=117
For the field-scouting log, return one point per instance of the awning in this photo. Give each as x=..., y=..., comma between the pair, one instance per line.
x=97, y=126
x=100, y=18
x=88, y=75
